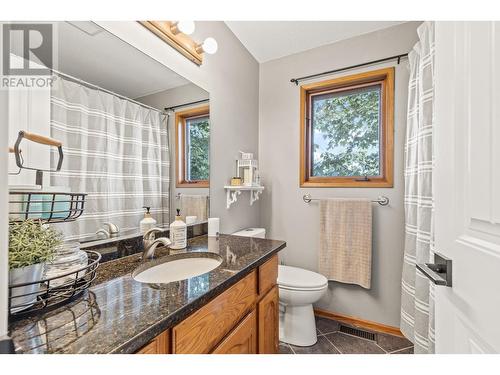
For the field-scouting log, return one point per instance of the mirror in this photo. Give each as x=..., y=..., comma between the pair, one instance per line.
x=121, y=147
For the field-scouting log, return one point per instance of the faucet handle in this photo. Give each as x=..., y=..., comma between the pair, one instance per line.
x=149, y=234
x=112, y=228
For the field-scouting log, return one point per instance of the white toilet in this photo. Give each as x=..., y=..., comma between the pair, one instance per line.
x=251, y=232
x=298, y=290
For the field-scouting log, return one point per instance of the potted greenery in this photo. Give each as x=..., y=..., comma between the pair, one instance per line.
x=31, y=245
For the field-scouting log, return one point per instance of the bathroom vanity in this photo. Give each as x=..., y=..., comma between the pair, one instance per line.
x=232, y=309
x=241, y=320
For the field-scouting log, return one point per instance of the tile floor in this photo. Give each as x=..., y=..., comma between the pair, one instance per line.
x=332, y=341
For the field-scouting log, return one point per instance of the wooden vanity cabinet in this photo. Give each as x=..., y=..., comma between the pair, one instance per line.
x=268, y=275
x=159, y=345
x=201, y=331
x=241, y=320
x=268, y=310
x=268, y=307
x=242, y=339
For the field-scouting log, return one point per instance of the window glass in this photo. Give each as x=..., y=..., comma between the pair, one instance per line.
x=345, y=133
x=197, y=148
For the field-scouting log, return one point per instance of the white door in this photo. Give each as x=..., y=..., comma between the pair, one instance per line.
x=467, y=185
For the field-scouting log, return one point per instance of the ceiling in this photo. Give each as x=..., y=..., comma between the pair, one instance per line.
x=269, y=40
x=90, y=53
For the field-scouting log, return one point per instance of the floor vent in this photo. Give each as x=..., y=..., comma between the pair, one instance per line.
x=357, y=332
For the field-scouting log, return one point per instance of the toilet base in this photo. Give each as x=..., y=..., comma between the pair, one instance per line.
x=297, y=325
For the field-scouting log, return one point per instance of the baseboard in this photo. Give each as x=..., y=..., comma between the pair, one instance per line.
x=360, y=323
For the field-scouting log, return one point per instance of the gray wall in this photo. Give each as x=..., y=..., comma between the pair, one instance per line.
x=231, y=76
x=169, y=98
x=284, y=213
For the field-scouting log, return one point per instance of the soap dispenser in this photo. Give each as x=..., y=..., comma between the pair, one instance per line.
x=178, y=232
x=148, y=222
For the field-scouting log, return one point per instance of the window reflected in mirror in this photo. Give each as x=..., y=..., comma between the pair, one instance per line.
x=192, y=147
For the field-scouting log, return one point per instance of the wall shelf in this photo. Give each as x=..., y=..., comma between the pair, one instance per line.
x=232, y=193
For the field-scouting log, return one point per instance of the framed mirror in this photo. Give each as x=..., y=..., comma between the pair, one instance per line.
x=134, y=134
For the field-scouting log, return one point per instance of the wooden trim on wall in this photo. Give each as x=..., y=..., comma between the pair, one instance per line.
x=358, y=322
x=180, y=42
x=384, y=77
x=180, y=153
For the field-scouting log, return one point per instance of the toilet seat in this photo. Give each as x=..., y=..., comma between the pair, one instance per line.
x=302, y=289
x=293, y=278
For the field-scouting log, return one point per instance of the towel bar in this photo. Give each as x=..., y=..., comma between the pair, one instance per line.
x=382, y=200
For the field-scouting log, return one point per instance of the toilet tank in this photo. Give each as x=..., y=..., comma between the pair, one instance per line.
x=251, y=232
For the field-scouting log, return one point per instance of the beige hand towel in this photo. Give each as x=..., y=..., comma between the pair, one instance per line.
x=346, y=240
x=194, y=205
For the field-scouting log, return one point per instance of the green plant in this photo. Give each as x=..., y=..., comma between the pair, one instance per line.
x=31, y=242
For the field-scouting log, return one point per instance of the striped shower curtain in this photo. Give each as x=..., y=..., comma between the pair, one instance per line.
x=417, y=308
x=116, y=151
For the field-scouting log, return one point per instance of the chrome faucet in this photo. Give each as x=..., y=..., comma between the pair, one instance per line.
x=103, y=232
x=150, y=243
x=113, y=229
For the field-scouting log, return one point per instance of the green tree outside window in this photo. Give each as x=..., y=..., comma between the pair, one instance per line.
x=345, y=133
x=198, y=148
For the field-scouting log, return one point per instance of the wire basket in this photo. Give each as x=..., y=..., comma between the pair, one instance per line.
x=49, y=207
x=40, y=294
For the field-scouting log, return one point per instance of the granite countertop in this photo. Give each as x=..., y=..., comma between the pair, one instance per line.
x=120, y=315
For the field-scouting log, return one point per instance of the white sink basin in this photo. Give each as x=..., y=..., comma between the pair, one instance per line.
x=176, y=267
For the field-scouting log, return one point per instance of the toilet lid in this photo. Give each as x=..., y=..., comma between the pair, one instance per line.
x=300, y=278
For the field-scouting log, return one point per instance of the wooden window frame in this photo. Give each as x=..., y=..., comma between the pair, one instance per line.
x=180, y=146
x=384, y=77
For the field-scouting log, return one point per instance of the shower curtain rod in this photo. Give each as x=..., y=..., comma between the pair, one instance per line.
x=91, y=85
x=398, y=57
x=173, y=108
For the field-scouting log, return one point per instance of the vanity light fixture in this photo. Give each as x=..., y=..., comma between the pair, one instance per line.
x=175, y=34
x=209, y=46
x=185, y=27
x=171, y=33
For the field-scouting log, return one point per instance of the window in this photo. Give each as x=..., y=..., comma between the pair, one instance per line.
x=347, y=131
x=192, y=133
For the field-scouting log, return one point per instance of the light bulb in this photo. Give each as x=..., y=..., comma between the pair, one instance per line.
x=209, y=45
x=186, y=27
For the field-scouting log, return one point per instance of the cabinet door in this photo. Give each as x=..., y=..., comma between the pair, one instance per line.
x=201, y=331
x=268, y=309
x=158, y=345
x=242, y=339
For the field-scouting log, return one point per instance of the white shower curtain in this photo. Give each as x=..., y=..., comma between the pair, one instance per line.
x=116, y=151
x=417, y=306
